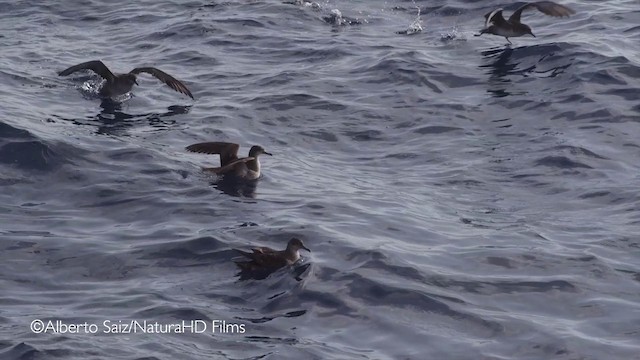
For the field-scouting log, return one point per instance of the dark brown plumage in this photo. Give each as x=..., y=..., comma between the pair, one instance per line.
x=246, y=168
x=496, y=24
x=119, y=84
x=267, y=259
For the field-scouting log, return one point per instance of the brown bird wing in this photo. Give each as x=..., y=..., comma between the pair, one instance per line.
x=173, y=83
x=256, y=252
x=95, y=65
x=229, y=167
x=264, y=250
x=228, y=151
x=546, y=7
x=265, y=257
x=495, y=17
x=270, y=260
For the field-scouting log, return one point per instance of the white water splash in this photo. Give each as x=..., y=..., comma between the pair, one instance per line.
x=416, y=26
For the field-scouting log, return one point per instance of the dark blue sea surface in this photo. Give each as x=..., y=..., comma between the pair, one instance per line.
x=463, y=199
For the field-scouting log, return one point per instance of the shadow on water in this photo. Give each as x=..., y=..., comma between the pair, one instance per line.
x=499, y=67
x=112, y=120
x=236, y=187
x=499, y=61
x=503, y=62
x=262, y=274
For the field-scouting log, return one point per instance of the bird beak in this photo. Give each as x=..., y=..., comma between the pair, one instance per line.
x=304, y=247
x=136, y=81
x=532, y=34
x=266, y=153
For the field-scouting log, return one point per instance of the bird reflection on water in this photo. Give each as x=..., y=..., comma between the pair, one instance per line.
x=296, y=271
x=501, y=63
x=236, y=187
x=113, y=120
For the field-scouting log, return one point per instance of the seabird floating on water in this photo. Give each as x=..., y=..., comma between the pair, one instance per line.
x=119, y=84
x=497, y=25
x=247, y=168
x=267, y=259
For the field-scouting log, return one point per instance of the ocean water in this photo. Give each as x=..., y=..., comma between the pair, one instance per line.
x=463, y=199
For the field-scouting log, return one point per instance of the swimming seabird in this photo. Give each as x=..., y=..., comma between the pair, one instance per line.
x=247, y=168
x=267, y=259
x=119, y=84
x=497, y=25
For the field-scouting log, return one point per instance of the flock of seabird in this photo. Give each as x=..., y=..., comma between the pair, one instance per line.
x=248, y=168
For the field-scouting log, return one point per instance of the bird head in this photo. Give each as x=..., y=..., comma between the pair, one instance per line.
x=131, y=78
x=257, y=150
x=528, y=30
x=296, y=244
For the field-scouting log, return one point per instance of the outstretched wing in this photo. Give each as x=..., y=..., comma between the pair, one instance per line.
x=95, y=65
x=172, y=82
x=494, y=17
x=546, y=7
x=228, y=151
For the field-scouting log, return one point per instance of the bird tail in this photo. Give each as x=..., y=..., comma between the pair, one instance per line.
x=483, y=31
x=245, y=253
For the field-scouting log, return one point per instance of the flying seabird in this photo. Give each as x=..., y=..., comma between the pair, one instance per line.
x=497, y=25
x=119, y=84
